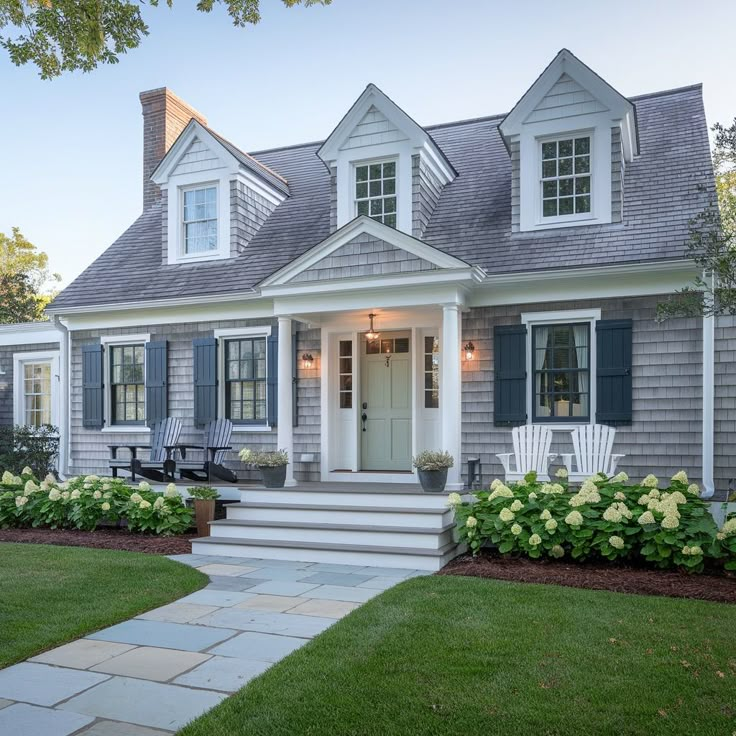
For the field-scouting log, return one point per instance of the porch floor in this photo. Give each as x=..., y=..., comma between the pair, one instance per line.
x=310, y=486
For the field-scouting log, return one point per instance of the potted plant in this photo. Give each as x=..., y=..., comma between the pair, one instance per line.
x=271, y=464
x=432, y=467
x=204, y=507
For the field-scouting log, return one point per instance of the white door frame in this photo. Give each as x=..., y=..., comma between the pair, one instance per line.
x=40, y=356
x=333, y=425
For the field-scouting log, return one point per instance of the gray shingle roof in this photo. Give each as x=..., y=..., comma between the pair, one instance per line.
x=471, y=221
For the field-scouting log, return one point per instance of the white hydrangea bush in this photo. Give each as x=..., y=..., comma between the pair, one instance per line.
x=663, y=523
x=84, y=502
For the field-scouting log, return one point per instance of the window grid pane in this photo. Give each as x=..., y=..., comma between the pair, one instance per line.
x=200, y=220
x=561, y=360
x=375, y=191
x=245, y=380
x=566, y=180
x=431, y=372
x=346, y=374
x=37, y=394
x=127, y=382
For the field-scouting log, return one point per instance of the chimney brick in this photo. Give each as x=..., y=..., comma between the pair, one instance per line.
x=164, y=117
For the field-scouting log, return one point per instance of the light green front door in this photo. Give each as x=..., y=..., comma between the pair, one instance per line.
x=385, y=403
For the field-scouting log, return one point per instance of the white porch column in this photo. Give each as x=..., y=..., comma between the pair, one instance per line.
x=451, y=412
x=285, y=423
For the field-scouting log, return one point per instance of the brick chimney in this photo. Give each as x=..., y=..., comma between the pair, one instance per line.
x=164, y=117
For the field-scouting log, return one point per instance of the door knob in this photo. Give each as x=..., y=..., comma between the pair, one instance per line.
x=363, y=417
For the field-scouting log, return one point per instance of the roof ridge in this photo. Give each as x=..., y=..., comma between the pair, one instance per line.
x=665, y=92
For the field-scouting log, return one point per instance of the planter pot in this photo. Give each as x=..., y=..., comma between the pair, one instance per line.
x=274, y=477
x=433, y=481
x=204, y=513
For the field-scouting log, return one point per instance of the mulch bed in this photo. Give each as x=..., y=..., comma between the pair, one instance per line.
x=103, y=539
x=616, y=578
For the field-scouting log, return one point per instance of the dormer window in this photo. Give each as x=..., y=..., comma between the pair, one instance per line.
x=375, y=191
x=566, y=178
x=200, y=220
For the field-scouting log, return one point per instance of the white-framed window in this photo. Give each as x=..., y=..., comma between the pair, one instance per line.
x=199, y=220
x=127, y=381
x=375, y=191
x=243, y=377
x=561, y=366
x=35, y=379
x=124, y=367
x=566, y=177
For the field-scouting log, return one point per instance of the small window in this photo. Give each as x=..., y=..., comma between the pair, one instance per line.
x=561, y=355
x=387, y=345
x=566, y=177
x=245, y=380
x=346, y=374
x=127, y=384
x=37, y=394
x=431, y=373
x=200, y=220
x=375, y=191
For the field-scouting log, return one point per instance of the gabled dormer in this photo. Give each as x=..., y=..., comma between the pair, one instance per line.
x=384, y=165
x=215, y=197
x=569, y=137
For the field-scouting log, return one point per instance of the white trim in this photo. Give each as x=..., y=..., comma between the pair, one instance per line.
x=125, y=429
x=367, y=476
x=358, y=226
x=42, y=356
x=330, y=150
x=233, y=333
x=709, y=360
x=619, y=108
x=530, y=319
x=257, y=331
x=28, y=334
x=113, y=341
x=125, y=339
x=175, y=187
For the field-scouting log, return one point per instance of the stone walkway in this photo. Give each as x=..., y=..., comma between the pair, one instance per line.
x=151, y=675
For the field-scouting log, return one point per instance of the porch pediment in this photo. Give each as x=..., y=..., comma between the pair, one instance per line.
x=364, y=248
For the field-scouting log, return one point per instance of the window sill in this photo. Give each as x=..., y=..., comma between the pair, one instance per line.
x=126, y=429
x=562, y=426
x=252, y=428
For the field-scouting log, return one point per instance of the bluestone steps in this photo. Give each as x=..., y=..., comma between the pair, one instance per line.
x=337, y=524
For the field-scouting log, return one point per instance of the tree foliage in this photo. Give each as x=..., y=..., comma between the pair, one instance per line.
x=26, y=284
x=66, y=35
x=712, y=244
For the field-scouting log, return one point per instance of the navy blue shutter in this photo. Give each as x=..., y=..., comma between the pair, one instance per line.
x=272, y=377
x=509, y=355
x=613, y=371
x=294, y=382
x=92, y=386
x=205, y=380
x=156, y=381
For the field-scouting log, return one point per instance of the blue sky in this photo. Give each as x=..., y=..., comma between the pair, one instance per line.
x=71, y=165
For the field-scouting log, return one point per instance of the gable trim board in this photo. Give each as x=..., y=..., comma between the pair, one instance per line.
x=362, y=225
x=373, y=97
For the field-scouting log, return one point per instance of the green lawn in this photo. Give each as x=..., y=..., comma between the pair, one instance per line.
x=50, y=595
x=465, y=656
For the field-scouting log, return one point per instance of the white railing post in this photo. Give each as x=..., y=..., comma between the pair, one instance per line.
x=450, y=391
x=285, y=425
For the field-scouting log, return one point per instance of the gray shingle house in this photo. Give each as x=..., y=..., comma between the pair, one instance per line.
x=512, y=266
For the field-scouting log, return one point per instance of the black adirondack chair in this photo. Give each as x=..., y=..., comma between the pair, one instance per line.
x=210, y=456
x=160, y=464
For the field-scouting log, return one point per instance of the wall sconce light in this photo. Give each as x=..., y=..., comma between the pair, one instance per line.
x=307, y=360
x=469, y=350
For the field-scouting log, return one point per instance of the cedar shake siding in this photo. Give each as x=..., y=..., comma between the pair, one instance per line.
x=666, y=431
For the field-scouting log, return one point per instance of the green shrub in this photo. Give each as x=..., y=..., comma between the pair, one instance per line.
x=86, y=501
x=33, y=447
x=203, y=493
x=263, y=459
x=603, y=519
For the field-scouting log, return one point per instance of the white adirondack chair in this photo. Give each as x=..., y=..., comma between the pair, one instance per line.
x=531, y=452
x=593, y=445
